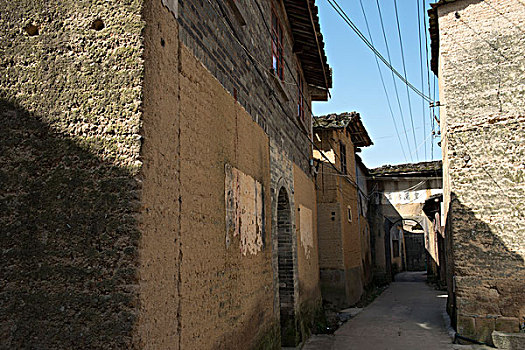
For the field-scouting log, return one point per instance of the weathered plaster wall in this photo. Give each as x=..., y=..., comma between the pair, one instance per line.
x=120, y=254
x=340, y=240
x=310, y=301
x=482, y=55
x=307, y=254
x=377, y=220
x=226, y=297
x=70, y=116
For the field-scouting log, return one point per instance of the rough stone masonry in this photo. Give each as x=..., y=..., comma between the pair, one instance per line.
x=481, y=66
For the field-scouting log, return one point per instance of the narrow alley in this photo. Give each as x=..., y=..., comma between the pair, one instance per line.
x=229, y=175
x=408, y=315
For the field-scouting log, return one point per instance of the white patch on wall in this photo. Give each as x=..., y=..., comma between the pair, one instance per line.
x=408, y=197
x=244, y=210
x=305, y=230
x=173, y=6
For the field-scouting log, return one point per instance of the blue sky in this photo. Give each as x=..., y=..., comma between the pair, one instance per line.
x=357, y=84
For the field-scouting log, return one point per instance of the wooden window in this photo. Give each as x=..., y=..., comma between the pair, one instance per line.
x=277, y=46
x=300, y=100
x=342, y=155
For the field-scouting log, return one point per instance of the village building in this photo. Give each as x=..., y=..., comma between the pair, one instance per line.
x=403, y=237
x=342, y=204
x=437, y=265
x=478, y=54
x=157, y=188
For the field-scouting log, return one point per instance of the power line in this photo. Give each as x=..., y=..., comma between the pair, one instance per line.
x=405, y=74
x=383, y=82
x=421, y=66
x=430, y=110
x=393, y=78
x=422, y=143
x=347, y=19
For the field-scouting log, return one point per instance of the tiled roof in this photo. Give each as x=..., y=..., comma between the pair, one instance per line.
x=349, y=120
x=308, y=42
x=432, y=168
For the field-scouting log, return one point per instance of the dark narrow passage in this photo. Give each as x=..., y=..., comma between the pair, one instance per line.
x=286, y=268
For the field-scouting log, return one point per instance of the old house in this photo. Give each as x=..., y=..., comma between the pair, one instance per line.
x=344, y=243
x=403, y=237
x=478, y=55
x=156, y=183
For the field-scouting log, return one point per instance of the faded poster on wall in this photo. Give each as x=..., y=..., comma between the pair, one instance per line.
x=244, y=210
x=305, y=230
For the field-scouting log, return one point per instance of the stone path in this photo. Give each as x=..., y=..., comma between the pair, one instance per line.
x=408, y=315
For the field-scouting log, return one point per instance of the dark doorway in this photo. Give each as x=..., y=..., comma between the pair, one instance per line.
x=289, y=334
x=415, y=251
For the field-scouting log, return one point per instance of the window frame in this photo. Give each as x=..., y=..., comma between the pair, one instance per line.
x=301, y=114
x=342, y=157
x=277, y=48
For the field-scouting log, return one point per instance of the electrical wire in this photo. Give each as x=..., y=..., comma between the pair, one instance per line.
x=389, y=136
x=421, y=144
x=428, y=81
x=383, y=83
x=393, y=78
x=348, y=21
x=421, y=70
x=405, y=75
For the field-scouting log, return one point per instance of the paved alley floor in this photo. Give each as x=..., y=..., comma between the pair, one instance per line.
x=408, y=315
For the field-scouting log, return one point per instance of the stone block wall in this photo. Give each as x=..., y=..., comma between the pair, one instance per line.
x=482, y=89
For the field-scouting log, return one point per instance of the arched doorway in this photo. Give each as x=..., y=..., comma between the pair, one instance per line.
x=285, y=263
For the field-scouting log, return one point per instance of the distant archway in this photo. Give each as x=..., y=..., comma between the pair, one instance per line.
x=285, y=263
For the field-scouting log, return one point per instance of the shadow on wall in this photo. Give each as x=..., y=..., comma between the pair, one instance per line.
x=382, y=217
x=68, y=241
x=489, y=276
